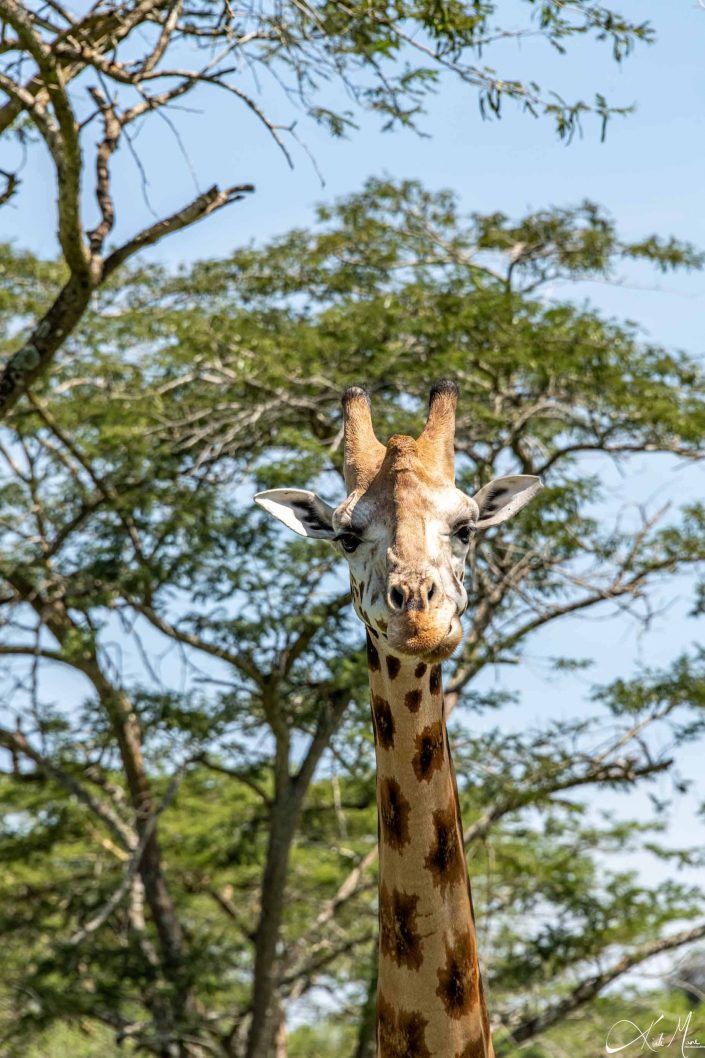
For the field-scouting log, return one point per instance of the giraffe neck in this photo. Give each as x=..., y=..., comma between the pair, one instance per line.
x=430, y=1002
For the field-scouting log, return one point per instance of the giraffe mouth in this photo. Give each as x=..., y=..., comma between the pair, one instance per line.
x=449, y=643
x=423, y=640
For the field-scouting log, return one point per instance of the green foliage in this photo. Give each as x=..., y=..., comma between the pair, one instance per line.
x=82, y=1042
x=588, y=1035
x=392, y=55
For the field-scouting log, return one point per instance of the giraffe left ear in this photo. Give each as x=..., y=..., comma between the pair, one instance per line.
x=301, y=510
x=503, y=497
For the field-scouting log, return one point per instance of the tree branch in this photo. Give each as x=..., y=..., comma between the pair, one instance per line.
x=133, y=866
x=16, y=742
x=592, y=986
x=201, y=207
x=106, y=148
x=63, y=142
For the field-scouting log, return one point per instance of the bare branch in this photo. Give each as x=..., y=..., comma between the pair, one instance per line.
x=16, y=742
x=63, y=141
x=592, y=986
x=201, y=207
x=106, y=147
x=170, y=22
x=96, y=31
x=234, y=773
x=11, y=185
x=238, y=660
x=133, y=866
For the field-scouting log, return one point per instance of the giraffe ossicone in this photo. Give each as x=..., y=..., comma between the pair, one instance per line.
x=405, y=529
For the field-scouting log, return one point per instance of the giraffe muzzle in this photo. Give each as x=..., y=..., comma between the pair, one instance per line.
x=430, y=636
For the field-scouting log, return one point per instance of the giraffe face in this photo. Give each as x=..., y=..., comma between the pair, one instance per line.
x=404, y=528
x=405, y=538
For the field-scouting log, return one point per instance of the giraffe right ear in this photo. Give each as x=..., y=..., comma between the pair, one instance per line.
x=301, y=510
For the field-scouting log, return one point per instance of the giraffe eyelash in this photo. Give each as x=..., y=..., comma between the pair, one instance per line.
x=464, y=532
x=349, y=541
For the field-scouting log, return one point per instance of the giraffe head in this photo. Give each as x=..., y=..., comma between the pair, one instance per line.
x=404, y=527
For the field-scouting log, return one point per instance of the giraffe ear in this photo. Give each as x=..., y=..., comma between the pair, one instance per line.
x=503, y=497
x=301, y=510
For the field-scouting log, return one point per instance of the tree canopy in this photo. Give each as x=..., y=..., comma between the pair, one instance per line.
x=80, y=83
x=187, y=763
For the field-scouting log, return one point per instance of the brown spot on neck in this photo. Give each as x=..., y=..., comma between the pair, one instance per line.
x=412, y=700
x=398, y=931
x=393, y=666
x=446, y=858
x=394, y=812
x=435, y=680
x=400, y=1033
x=457, y=979
x=475, y=1047
x=372, y=655
x=383, y=721
x=430, y=752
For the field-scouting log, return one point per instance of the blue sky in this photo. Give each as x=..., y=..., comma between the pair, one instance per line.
x=650, y=175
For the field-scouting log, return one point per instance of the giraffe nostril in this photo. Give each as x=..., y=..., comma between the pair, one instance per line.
x=431, y=591
x=396, y=597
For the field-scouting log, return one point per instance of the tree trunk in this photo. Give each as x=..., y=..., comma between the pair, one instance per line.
x=366, y=1046
x=284, y=818
x=49, y=334
x=280, y=1047
x=127, y=733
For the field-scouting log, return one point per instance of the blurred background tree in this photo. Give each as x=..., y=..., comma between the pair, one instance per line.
x=186, y=752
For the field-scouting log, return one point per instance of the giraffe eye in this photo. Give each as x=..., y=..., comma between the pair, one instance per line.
x=349, y=541
x=464, y=533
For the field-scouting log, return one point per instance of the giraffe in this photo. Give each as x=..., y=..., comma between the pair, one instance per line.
x=404, y=529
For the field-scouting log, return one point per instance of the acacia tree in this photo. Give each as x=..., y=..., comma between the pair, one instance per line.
x=81, y=82
x=189, y=846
